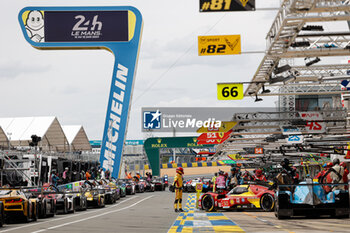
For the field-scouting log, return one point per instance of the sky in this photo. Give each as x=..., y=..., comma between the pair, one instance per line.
x=74, y=84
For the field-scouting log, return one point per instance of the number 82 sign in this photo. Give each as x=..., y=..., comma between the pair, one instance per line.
x=230, y=91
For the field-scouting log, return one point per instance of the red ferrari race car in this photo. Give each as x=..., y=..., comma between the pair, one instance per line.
x=241, y=196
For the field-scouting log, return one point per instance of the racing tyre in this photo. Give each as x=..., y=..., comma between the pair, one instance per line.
x=267, y=202
x=2, y=217
x=44, y=212
x=35, y=212
x=73, y=207
x=27, y=218
x=65, y=208
x=278, y=215
x=208, y=203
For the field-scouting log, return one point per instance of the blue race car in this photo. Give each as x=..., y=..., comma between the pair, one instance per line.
x=308, y=198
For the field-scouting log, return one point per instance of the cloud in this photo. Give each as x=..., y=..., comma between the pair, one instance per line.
x=13, y=69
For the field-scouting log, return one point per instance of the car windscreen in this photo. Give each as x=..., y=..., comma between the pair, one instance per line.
x=5, y=192
x=239, y=190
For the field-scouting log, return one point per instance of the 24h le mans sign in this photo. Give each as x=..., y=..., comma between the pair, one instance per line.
x=116, y=29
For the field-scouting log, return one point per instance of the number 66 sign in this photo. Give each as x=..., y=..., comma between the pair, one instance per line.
x=230, y=91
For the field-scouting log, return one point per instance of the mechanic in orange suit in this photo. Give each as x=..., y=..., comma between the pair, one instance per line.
x=178, y=181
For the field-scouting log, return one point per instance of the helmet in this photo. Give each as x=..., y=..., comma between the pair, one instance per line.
x=233, y=169
x=336, y=161
x=329, y=165
x=285, y=162
x=343, y=164
x=258, y=172
x=180, y=170
x=221, y=172
x=226, y=174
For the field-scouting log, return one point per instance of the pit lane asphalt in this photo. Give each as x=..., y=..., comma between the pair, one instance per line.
x=258, y=221
x=143, y=212
x=153, y=212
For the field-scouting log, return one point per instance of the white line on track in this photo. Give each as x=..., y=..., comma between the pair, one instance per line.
x=95, y=216
x=69, y=216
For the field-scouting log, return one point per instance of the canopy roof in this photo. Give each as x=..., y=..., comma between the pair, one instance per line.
x=3, y=139
x=20, y=129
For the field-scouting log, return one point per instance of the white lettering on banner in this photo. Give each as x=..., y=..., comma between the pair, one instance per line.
x=115, y=115
x=90, y=30
x=190, y=123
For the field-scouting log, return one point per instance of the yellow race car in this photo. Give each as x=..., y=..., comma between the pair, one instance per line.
x=95, y=196
x=17, y=204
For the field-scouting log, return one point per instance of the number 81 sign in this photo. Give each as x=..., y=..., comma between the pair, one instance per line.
x=230, y=91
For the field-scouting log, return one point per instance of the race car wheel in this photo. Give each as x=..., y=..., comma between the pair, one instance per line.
x=35, y=212
x=208, y=203
x=267, y=202
x=65, y=208
x=27, y=218
x=44, y=212
x=2, y=217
